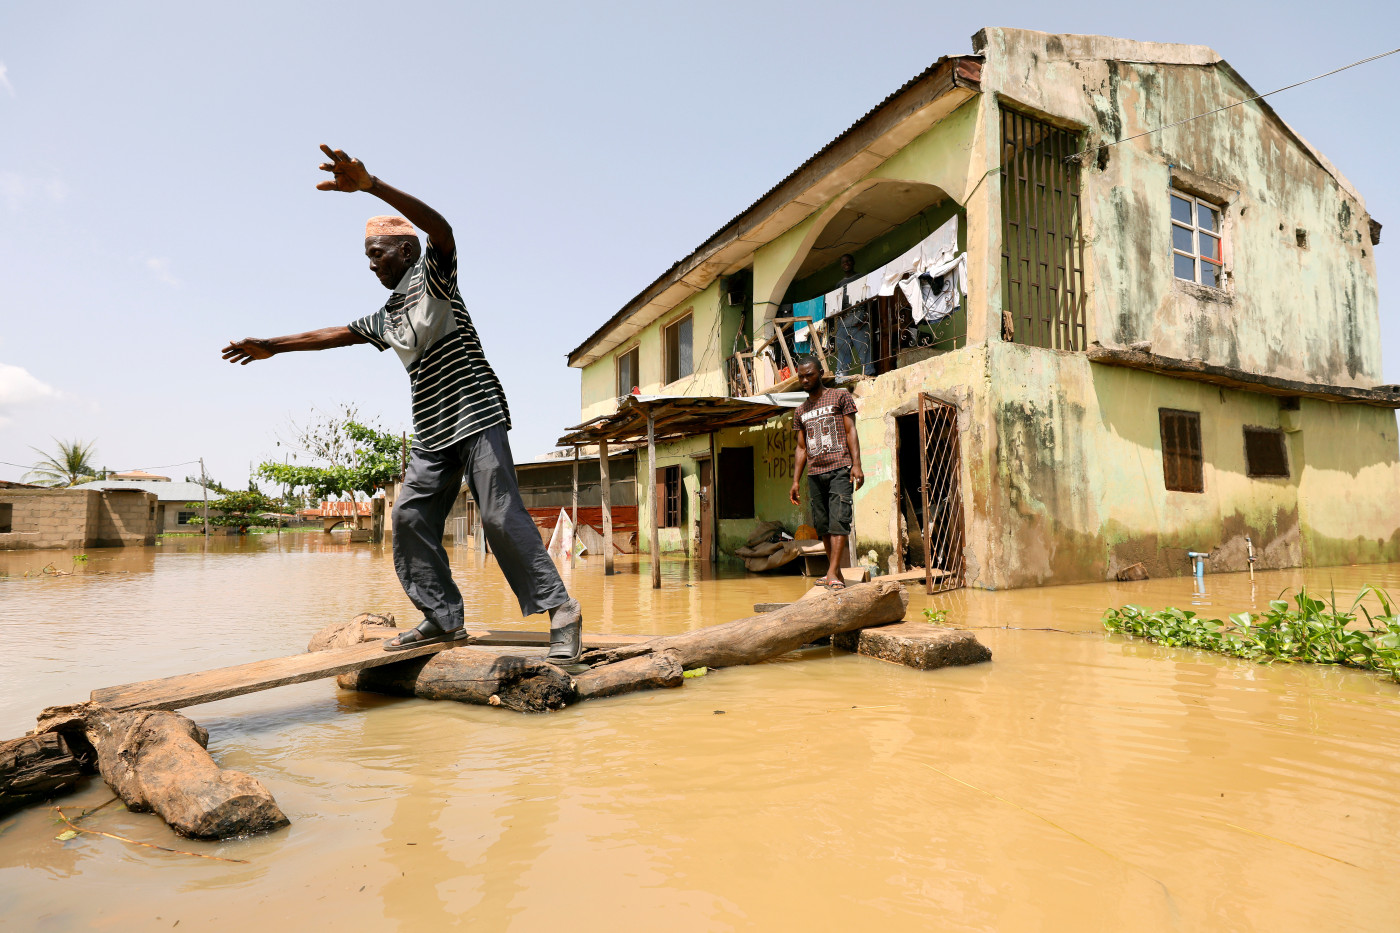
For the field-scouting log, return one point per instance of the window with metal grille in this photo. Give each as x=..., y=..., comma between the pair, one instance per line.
x=1182, y=469
x=1196, y=254
x=183, y=518
x=680, y=349
x=627, y=376
x=1042, y=244
x=736, y=482
x=669, y=499
x=1264, y=452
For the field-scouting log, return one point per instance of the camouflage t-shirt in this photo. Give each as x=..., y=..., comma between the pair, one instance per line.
x=822, y=422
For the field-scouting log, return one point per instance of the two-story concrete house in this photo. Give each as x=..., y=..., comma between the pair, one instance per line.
x=1079, y=337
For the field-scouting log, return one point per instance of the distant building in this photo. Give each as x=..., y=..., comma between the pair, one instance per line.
x=174, y=499
x=42, y=517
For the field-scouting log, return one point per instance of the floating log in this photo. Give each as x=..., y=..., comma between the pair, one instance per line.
x=644, y=672
x=918, y=645
x=770, y=634
x=156, y=760
x=36, y=767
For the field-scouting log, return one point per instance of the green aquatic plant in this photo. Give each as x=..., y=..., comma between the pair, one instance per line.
x=1309, y=630
x=936, y=616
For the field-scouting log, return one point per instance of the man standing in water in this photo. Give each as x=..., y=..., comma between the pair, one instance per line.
x=829, y=449
x=460, y=420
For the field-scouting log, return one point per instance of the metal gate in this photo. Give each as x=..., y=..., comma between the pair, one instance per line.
x=940, y=485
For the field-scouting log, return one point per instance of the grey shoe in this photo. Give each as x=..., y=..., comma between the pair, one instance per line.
x=565, y=633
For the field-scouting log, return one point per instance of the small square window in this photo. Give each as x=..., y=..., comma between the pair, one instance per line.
x=7, y=517
x=1197, y=253
x=1182, y=465
x=1265, y=453
x=627, y=376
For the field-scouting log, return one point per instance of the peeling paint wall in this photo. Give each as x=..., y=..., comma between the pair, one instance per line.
x=1309, y=313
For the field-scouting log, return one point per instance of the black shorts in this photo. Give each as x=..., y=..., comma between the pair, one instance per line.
x=831, y=501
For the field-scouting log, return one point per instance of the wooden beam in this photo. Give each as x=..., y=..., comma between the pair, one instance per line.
x=651, y=497
x=607, y=507
x=224, y=682
x=714, y=502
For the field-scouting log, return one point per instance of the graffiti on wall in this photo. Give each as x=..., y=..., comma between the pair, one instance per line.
x=779, y=453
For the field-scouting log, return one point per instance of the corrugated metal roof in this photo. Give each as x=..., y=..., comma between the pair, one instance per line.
x=165, y=491
x=640, y=298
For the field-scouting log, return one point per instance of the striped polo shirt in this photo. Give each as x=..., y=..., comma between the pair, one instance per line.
x=455, y=391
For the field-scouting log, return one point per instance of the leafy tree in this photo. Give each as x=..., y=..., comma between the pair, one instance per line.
x=69, y=465
x=240, y=509
x=354, y=457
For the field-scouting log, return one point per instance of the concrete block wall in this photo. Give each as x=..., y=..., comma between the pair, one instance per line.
x=126, y=517
x=50, y=518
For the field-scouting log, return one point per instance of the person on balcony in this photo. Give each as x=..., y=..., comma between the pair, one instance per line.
x=460, y=420
x=828, y=448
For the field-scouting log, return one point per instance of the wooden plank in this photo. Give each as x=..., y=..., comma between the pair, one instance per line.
x=222, y=683
x=912, y=576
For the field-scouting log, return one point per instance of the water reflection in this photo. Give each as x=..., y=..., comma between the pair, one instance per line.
x=1079, y=781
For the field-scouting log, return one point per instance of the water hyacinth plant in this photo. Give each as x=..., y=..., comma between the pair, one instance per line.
x=1308, y=630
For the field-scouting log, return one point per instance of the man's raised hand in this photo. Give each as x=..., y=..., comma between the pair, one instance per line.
x=350, y=174
x=245, y=351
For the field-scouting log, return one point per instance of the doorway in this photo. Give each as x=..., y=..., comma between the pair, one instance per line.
x=707, y=508
x=928, y=454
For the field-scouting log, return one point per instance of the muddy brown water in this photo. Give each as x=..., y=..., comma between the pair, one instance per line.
x=1078, y=782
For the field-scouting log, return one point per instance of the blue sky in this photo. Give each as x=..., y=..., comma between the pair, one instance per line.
x=158, y=164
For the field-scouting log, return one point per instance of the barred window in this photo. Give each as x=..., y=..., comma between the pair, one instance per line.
x=670, y=503
x=1196, y=254
x=1182, y=468
x=1265, y=453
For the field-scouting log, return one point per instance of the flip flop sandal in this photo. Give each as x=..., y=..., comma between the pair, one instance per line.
x=426, y=632
x=835, y=585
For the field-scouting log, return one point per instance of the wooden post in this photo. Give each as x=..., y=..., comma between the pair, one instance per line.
x=651, y=497
x=376, y=520
x=573, y=516
x=607, y=507
x=204, y=487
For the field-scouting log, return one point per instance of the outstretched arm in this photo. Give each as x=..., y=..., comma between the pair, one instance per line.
x=351, y=175
x=260, y=348
x=853, y=448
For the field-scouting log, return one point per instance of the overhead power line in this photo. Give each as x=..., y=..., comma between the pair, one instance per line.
x=1093, y=149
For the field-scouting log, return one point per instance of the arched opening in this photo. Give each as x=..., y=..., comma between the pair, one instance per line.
x=875, y=286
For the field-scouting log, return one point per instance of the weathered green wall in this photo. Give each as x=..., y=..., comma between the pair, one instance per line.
x=1078, y=490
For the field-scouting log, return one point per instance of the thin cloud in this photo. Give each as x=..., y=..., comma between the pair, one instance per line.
x=17, y=190
x=5, y=80
x=160, y=268
x=19, y=388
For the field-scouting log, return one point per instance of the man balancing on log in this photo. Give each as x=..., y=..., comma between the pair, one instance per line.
x=828, y=447
x=460, y=420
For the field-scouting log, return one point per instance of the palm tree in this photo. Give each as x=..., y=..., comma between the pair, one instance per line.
x=69, y=465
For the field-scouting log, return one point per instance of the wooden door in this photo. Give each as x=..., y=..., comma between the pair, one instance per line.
x=707, y=509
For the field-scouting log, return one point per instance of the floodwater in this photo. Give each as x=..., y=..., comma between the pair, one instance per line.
x=1077, y=782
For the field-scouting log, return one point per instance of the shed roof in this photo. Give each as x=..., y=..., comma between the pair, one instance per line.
x=680, y=416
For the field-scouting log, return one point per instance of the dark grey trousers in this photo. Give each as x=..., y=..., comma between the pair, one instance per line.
x=420, y=515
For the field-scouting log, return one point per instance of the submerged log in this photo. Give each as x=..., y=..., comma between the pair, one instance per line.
x=467, y=675
x=155, y=760
x=36, y=767
x=770, y=634
x=645, y=672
